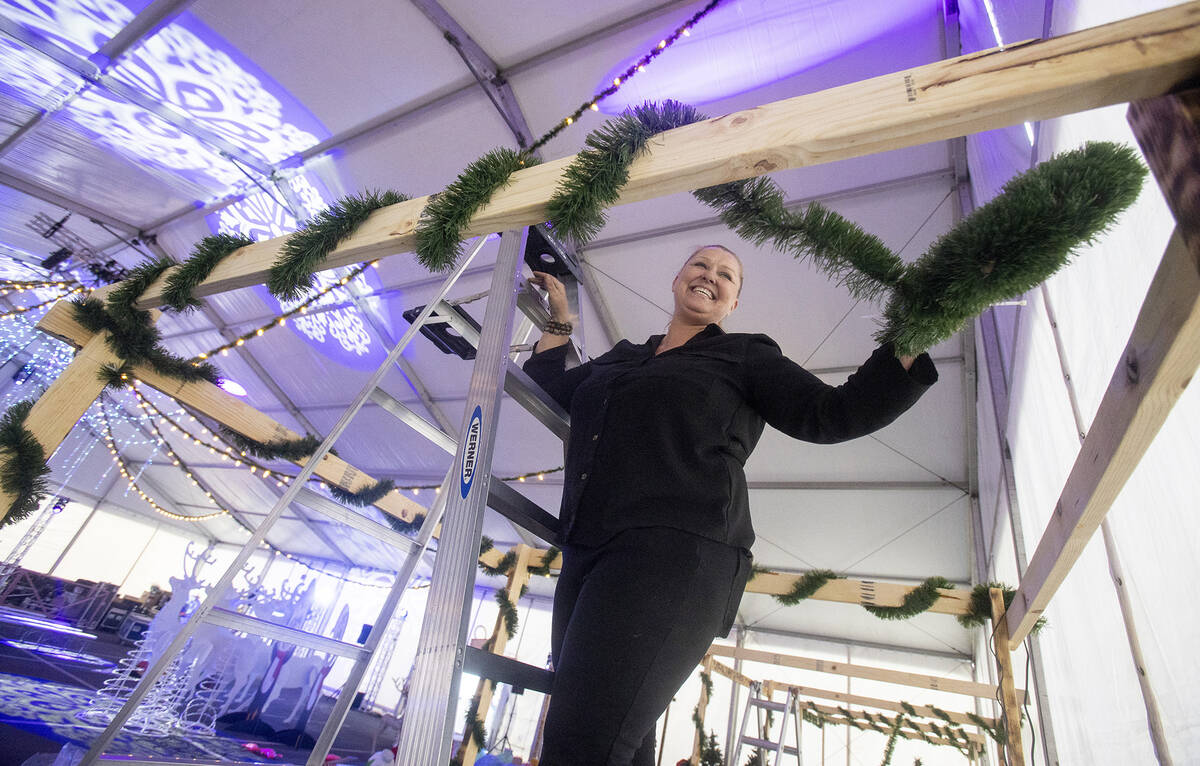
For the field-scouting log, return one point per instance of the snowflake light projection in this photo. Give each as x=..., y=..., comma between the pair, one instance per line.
x=185, y=66
x=334, y=325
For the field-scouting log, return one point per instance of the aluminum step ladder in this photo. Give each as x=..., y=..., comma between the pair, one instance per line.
x=462, y=507
x=791, y=713
x=441, y=652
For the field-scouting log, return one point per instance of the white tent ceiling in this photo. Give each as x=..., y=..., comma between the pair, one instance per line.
x=377, y=85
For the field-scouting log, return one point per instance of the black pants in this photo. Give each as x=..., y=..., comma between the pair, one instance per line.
x=632, y=619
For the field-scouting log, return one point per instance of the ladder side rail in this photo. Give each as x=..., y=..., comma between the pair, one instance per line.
x=217, y=593
x=429, y=722
x=341, y=708
x=783, y=730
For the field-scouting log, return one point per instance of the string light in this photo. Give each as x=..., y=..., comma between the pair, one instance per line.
x=638, y=66
x=281, y=320
x=61, y=296
x=123, y=467
x=10, y=285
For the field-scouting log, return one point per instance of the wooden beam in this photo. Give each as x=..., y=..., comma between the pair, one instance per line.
x=82, y=383
x=918, y=680
x=852, y=699
x=61, y=406
x=1132, y=59
x=972, y=736
x=1159, y=360
x=953, y=601
x=1008, y=694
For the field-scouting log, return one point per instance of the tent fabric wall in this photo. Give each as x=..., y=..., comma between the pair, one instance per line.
x=1099, y=712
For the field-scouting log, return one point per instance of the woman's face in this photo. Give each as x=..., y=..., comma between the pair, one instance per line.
x=706, y=288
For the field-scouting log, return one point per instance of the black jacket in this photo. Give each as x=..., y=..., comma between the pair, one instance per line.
x=661, y=441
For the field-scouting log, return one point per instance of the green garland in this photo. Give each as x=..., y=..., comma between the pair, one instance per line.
x=508, y=611
x=23, y=474
x=755, y=210
x=294, y=450
x=593, y=181
x=116, y=376
x=486, y=544
x=405, y=527
x=361, y=498
x=806, y=586
x=503, y=567
x=979, y=609
x=475, y=728
x=304, y=251
x=710, y=750
x=1003, y=249
x=543, y=568
x=919, y=599
x=121, y=299
x=134, y=338
x=440, y=229
x=208, y=252
x=889, y=749
x=1012, y=243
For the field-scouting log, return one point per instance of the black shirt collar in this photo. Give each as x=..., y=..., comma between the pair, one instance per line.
x=712, y=331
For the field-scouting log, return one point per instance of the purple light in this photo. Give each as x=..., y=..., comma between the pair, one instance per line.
x=59, y=653
x=15, y=617
x=232, y=386
x=745, y=44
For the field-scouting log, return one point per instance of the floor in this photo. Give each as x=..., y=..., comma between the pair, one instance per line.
x=47, y=678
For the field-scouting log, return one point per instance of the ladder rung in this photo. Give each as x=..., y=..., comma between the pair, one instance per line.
x=768, y=704
x=506, y=670
x=411, y=419
x=502, y=498
x=530, y=395
x=343, y=515
x=531, y=306
x=517, y=384
x=444, y=312
x=522, y=511
x=765, y=744
x=247, y=624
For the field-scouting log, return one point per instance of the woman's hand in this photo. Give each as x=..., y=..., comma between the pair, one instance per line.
x=556, y=294
x=560, y=310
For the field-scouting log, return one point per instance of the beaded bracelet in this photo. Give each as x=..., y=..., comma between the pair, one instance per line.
x=555, y=327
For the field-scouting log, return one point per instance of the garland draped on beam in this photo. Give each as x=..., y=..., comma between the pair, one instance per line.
x=917, y=601
x=292, y=275
x=440, y=228
x=1002, y=249
x=294, y=450
x=23, y=474
x=361, y=498
x=177, y=293
x=131, y=334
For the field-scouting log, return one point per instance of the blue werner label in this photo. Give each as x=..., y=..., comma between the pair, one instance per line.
x=471, y=453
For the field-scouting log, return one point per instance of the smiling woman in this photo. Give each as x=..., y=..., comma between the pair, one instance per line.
x=655, y=511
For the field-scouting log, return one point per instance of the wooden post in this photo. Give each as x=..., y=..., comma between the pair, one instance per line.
x=1008, y=693
x=1158, y=363
x=57, y=410
x=517, y=579
x=706, y=667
